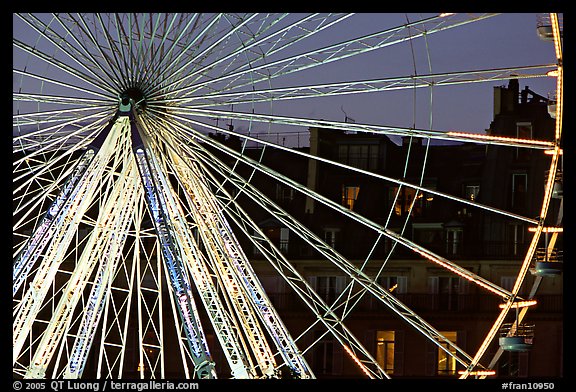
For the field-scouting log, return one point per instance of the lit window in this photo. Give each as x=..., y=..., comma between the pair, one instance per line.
x=471, y=192
x=405, y=198
x=385, y=350
x=447, y=362
x=349, y=196
x=394, y=284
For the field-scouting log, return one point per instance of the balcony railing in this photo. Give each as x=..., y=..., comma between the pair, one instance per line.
x=499, y=250
x=421, y=303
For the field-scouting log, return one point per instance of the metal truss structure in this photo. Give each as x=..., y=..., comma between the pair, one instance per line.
x=125, y=236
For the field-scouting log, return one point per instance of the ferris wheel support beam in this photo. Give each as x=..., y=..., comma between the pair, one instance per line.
x=322, y=311
x=59, y=209
x=228, y=333
x=365, y=281
x=227, y=329
x=181, y=290
x=103, y=247
x=68, y=211
x=99, y=293
x=234, y=266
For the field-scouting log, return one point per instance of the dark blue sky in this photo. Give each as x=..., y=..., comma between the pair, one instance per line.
x=507, y=40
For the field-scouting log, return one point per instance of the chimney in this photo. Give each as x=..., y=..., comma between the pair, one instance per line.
x=312, y=176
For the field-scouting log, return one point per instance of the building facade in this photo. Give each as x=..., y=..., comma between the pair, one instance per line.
x=488, y=244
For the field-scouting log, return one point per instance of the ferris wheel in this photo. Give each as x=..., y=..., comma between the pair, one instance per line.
x=128, y=214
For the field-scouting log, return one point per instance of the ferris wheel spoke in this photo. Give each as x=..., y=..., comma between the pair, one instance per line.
x=104, y=246
x=74, y=53
x=50, y=116
x=322, y=311
x=169, y=69
x=366, y=172
x=61, y=100
x=239, y=278
x=174, y=71
x=108, y=70
x=257, y=48
x=59, y=83
x=35, y=142
x=342, y=50
x=309, y=26
x=162, y=33
x=164, y=59
x=94, y=80
x=358, y=276
x=233, y=52
x=204, y=35
x=217, y=44
x=112, y=54
x=125, y=45
x=468, y=137
x=224, y=98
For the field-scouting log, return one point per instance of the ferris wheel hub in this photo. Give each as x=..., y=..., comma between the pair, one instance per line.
x=133, y=95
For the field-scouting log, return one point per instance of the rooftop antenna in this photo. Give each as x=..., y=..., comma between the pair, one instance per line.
x=346, y=118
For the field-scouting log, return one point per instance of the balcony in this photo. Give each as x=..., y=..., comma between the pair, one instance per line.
x=422, y=303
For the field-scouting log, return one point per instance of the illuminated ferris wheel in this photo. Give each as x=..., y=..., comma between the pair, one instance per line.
x=127, y=215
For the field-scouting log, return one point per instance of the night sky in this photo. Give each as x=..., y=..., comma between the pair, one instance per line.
x=506, y=40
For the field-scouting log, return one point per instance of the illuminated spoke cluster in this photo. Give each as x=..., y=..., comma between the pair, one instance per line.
x=126, y=233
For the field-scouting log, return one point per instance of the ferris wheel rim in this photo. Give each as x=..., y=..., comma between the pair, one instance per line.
x=154, y=113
